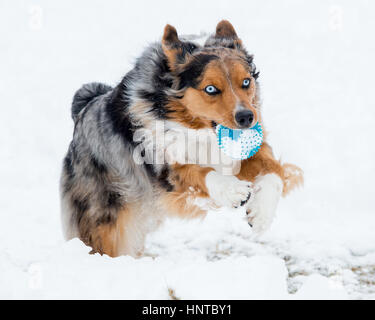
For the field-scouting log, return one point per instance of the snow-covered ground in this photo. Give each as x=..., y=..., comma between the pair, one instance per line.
x=317, y=66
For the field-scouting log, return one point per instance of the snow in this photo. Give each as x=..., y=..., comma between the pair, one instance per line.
x=317, y=287
x=316, y=63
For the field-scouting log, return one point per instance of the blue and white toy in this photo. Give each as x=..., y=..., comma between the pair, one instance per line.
x=239, y=144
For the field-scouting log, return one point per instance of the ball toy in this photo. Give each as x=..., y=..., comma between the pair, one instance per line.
x=239, y=144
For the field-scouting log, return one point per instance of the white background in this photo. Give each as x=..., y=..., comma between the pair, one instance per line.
x=316, y=62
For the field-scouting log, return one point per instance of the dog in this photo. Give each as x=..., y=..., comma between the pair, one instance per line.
x=111, y=200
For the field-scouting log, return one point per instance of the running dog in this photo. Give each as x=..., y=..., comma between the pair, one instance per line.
x=110, y=199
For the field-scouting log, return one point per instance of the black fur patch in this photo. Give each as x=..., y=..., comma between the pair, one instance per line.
x=150, y=170
x=163, y=179
x=99, y=167
x=80, y=206
x=255, y=73
x=112, y=199
x=95, y=169
x=117, y=111
x=106, y=218
x=186, y=48
x=189, y=77
x=110, y=202
x=159, y=100
x=161, y=81
x=249, y=60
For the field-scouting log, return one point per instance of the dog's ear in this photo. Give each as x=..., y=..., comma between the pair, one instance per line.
x=173, y=47
x=170, y=36
x=225, y=31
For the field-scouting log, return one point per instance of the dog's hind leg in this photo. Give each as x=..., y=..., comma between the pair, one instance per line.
x=125, y=236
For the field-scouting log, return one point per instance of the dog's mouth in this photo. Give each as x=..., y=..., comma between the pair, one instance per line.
x=214, y=125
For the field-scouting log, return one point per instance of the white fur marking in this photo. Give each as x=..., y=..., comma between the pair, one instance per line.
x=263, y=207
x=227, y=191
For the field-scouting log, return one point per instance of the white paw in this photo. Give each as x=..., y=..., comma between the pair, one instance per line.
x=228, y=191
x=261, y=210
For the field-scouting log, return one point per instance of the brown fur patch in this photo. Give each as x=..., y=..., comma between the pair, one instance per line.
x=261, y=163
x=180, y=114
x=224, y=29
x=190, y=175
x=189, y=181
x=293, y=177
x=114, y=239
x=180, y=204
x=170, y=44
x=109, y=238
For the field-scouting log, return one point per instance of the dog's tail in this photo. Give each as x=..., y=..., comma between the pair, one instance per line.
x=85, y=94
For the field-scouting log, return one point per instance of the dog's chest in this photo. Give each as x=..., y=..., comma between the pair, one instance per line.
x=189, y=146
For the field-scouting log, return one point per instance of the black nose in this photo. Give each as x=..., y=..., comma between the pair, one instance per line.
x=244, y=118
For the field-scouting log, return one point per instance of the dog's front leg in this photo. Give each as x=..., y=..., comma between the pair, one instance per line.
x=261, y=209
x=228, y=191
x=267, y=175
x=224, y=190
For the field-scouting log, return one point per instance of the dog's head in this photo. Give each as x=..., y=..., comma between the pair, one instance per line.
x=216, y=82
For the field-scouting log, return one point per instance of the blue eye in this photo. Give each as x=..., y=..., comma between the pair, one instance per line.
x=246, y=83
x=211, y=90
